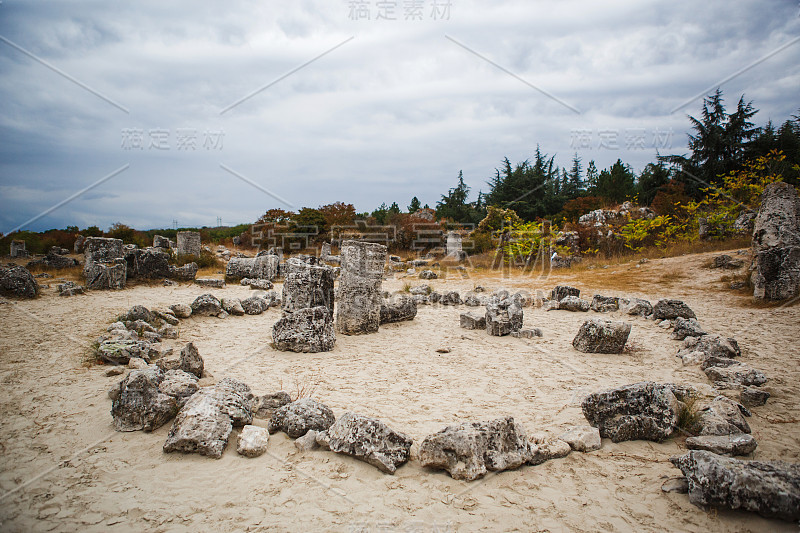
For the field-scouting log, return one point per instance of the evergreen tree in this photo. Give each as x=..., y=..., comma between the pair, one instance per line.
x=616, y=183
x=651, y=180
x=591, y=177
x=414, y=206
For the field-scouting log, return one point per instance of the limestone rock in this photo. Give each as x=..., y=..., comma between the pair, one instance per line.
x=200, y=427
x=359, y=305
x=740, y=374
x=148, y=263
x=771, y=489
x=180, y=385
x=468, y=451
x=428, y=274
x=583, y=438
x=181, y=310
x=722, y=416
x=254, y=305
x=572, y=303
x=686, y=327
x=776, y=244
x=102, y=276
x=602, y=336
x=307, y=330
x=561, y=291
x=527, y=333
x=307, y=286
x=252, y=441
x=369, y=440
x=646, y=411
x=206, y=305
x=269, y=403
x=472, y=321
x=398, y=308
x=635, y=307
x=296, y=418
x=232, y=306
x=670, y=309
x=139, y=404
x=191, y=361
x=727, y=262
x=16, y=281
x=120, y=351
x=752, y=397
x=450, y=298
x=210, y=282
x=503, y=316
x=604, y=304
x=307, y=442
x=738, y=444
x=186, y=272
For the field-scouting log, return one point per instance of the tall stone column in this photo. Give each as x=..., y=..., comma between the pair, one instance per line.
x=359, y=309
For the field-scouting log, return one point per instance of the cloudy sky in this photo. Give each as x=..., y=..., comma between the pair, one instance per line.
x=187, y=111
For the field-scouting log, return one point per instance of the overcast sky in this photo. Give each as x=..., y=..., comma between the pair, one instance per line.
x=158, y=93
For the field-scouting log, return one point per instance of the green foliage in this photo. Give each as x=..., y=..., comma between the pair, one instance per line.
x=528, y=240
x=659, y=231
x=454, y=205
x=414, y=206
x=615, y=184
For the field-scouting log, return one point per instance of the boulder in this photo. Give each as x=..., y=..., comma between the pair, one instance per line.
x=269, y=403
x=181, y=310
x=544, y=449
x=686, y=327
x=186, y=272
x=306, y=286
x=604, y=304
x=232, y=306
x=16, y=281
x=206, y=305
x=252, y=441
x=472, y=300
x=561, y=291
x=102, y=250
x=602, y=336
x=740, y=374
x=254, y=305
x=167, y=316
x=527, y=333
x=137, y=312
x=257, y=284
x=367, y=439
x=119, y=352
x=359, y=307
x=571, y=303
x=776, y=244
x=428, y=274
x=450, y=298
x=54, y=259
x=727, y=262
x=771, y=489
x=711, y=346
x=398, y=308
x=468, y=451
x=296, y=418
x=307, y=330
x=503, y=316
x=264, y=267
x=69, y=288
x=670, y=309
x=739, y=444
x=635, y=307
x=472, y=321
x=646, y=411
x=752, y=397
x=307, y=442
x=105, y=276
x=583, y=438
x=149, y=263
x=180, y=385
x=161, y=242
x=423, y=290
x=210, y=282
x=191, y=361
x=139, y=404
x=722, y=416
x=188, y=243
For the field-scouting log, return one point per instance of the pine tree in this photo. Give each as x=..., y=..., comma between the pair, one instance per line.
x=414, y=206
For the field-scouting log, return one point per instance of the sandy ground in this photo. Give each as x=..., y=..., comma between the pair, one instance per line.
x=65, y=469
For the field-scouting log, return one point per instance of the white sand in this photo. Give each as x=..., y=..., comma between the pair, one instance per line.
x=55, y=409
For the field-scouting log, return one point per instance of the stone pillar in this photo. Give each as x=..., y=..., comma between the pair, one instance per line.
x=776, y=244
x=306, y=286
x=189, y=243
x=104, y=263
x=17, y=249
x=359, y=309
x=160, y=241
x=454, y=245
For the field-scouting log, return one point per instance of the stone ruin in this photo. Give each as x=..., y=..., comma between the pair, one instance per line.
x=17, y=249
x=189, y=243
x=360, y=299
x=776, y=244
x=104, y=265
x=307, y=305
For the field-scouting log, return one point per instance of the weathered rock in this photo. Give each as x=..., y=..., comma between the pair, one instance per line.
x=138, y=312
x=206, y=305
x=307, y=330
x=359, y=307
x=771, y=489
x=727, y=262
x=55, y=260
x=181, y=310
x=420, y=290
x=635, y=307
x=527, y=333
x=69, y=288
x=120, y=351
x=561, y=291
x=428, y=274
x=471, y=300
x=254, y=305
x=232, y=306
x=472, y=321
x=722, y=416
x=739, y=444
x=161, y=242
x=306, y=286
x=180, y=385
x=191, y=361
x=583, y=438
x=104, y=276
x=269, y=403
x=186, y=272
x=210, y=282
x=711, y=346
x=139, y=405
x=16, y=281
x=258, y=284
x=503, y=316
x=252, y=441
x=137, y=363
x=398, y=308
x=450, y=298
x=167, y=332
x=671, y=309
x=201, y=426
x=570, y=303
x=752, y=397
x=102, y=250
x=678, y=485
x=188, y=243
x=545, y=449
x=468, y=451
x=307, y=442
x=646, y=411
x=604, y=304
x=236, y=400
x=776, y=244
x=167, y=316
x=369, y=440
x=602, y=336
x=296, y=418
x=686, y=327
x=740, y=374
x=149, y=263
x=264, y=267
